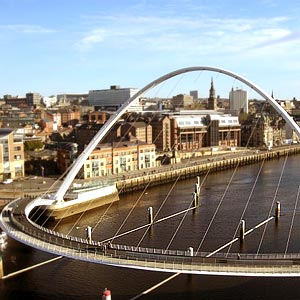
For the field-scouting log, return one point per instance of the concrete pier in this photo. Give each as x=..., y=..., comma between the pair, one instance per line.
x=277, y=211
x=150, y=215
x=242, y=230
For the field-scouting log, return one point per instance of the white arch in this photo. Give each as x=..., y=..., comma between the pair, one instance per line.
x=113, y=119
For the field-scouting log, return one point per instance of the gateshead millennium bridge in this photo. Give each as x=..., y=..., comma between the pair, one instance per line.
x=16, y=222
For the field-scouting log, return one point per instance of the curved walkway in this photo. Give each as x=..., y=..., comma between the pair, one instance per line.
x=14, y=221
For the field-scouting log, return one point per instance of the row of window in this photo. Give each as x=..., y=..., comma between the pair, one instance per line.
x=117, y=170
x=134, y=152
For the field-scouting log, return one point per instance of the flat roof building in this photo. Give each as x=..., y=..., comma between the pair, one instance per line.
x=113, y=98
x=238, y=100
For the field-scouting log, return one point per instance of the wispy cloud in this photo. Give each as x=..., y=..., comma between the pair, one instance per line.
x=93, y=37
x=26, y=28
x=161, y=33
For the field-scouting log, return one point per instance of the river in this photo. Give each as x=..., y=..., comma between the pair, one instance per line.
x=230, y=191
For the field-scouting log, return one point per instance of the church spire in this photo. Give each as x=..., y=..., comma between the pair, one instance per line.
x=212, y=93
x=212, y=100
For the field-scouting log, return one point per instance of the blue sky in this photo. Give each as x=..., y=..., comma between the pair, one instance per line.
x=73, y=46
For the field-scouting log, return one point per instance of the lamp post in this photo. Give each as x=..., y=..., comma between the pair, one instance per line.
x=43, y=169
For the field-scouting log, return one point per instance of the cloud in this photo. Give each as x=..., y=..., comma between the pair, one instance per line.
x=26, y=29
x=94, y=37
x=195, y=35
x=280, y=37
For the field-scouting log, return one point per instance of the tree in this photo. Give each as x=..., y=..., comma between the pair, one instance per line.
x=33, y=145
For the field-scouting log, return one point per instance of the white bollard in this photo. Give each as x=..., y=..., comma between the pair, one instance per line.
x=242, y=230
x=89, y=234
x=106, y=294
x=150, y=215
x=191, y=251
x=277, y=210
x=195, y=199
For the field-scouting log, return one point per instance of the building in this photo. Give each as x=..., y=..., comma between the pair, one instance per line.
x=182, y=100
x=11, y=154
x=212, y=100
x=55, y=116
x=113, y=98
x=99, y=117
x=264, y=131
x=70, y=99
x=12, y=117
x=66, y=155
x=85, y=132
x=161, y=132
x=188, y=132
x=69, y=116
x=194, y=94
x=193, y=130
x=117, y=158
x=238, y=100
x=139, y=131
x=33, y=99
x=223, y=130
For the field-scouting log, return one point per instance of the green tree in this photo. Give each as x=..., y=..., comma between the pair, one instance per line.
x=33, y=145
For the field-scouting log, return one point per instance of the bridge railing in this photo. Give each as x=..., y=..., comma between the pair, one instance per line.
x=147, y=257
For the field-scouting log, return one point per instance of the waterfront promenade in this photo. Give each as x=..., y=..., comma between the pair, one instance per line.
x=32, y=187
x=193, y=167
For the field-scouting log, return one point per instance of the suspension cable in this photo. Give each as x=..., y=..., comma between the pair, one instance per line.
x=292, y=221
x=272, y=204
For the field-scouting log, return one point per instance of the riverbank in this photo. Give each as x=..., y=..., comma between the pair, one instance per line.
x=202, y=166
x=150, y=177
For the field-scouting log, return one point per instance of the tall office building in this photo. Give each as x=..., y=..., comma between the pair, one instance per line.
x=33, y=99
x=194, y=94
x=238, y=100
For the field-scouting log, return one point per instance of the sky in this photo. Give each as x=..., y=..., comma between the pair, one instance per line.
x=73, y=46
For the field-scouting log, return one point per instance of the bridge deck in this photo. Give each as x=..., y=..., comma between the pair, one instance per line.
x=174, y=261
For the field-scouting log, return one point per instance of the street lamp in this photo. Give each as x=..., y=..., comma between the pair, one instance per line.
x=43, y=169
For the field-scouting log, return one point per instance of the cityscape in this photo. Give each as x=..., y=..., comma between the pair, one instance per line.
x=168, y=181
x=51, y=137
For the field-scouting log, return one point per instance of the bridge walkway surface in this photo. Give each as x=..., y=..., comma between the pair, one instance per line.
x=174, y=261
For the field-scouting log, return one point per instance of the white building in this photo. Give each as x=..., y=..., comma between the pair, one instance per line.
x=11, y=154
x=238, y=100
x=49, y=101
x=113, y=98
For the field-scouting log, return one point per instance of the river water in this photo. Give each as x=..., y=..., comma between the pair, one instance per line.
x=225, y=198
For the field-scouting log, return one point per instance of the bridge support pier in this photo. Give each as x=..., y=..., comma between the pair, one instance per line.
x=277, y=211
x=150, y=215
x=242, y=230
x=195, y=200
x=196, y=194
